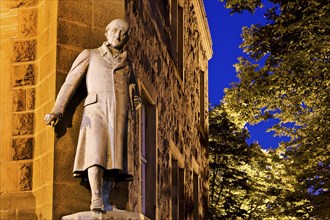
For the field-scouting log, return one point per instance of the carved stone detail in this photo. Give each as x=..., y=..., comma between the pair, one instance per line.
x=23, y=148
x=25, y=50
x=25, y=179
x=22, y=124
x=30, y=99
x=19, y=100
x=23, y=75
x=22, y=3
x=28, y=22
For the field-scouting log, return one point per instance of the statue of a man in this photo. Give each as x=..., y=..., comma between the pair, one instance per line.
x=112, y=92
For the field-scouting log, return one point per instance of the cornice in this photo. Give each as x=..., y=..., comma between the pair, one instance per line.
x=204, y=27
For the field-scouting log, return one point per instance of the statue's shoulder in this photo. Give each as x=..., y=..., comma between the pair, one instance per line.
x=84, y=54
x=94, y=51
x=83, y=57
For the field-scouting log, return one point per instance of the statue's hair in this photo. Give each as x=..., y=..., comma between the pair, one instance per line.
x=118, y=19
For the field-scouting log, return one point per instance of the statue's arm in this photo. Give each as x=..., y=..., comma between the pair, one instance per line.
x=68, y=88
x=135, y=96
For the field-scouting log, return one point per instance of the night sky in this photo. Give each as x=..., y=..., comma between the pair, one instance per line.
x=226, y=32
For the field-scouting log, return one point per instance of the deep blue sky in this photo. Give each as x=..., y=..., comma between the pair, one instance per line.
x=226, y=32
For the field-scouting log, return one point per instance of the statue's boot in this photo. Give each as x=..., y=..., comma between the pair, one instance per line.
x=95, y=175
x=106, y=191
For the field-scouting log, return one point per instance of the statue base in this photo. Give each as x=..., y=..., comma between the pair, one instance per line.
x=111, y=215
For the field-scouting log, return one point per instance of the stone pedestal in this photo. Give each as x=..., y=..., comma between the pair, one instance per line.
x=113, y=215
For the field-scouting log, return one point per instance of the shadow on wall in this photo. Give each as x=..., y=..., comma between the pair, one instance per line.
x=73, y=107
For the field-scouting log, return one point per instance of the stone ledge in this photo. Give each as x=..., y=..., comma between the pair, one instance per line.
x=113, y=215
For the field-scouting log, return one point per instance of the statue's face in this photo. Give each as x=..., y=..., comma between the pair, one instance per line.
x=116, y=33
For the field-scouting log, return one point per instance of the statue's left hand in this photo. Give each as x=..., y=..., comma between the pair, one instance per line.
x=137, y=102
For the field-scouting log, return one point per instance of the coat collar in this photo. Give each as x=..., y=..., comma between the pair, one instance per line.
x=119, y=61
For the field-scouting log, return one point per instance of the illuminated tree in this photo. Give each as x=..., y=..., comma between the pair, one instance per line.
x=228, y=152
x=291, y=85
x=247, y=182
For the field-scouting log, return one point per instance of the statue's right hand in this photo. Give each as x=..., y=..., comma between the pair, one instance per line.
x=52, y=119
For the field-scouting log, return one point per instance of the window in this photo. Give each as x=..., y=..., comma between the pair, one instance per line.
x=181, y=194
x=177, y=36
x=177, y=191
x=203, y=105
x=180, y=41
x=143, y=158
x=202, y=99
x=148, y=156
x=196, y=193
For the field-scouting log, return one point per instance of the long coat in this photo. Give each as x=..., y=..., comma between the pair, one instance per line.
x=111, y=86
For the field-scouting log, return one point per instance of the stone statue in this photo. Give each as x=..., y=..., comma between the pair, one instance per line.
x=112, y=92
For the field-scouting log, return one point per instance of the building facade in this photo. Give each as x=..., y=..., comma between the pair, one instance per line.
x=169, y=48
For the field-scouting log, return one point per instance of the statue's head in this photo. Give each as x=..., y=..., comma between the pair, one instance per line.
x=117, y=33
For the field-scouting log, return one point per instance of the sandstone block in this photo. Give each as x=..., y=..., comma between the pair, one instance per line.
x=18, y=100
x=44, y=42
x=77, y=11
x=22, y=3
x=26, y=214
x=37, y=172
x=7, y=214
x=75, y=193
x=10, y=172
x=25, y=50
x=17, y=200
x=25, y=176
x=8, y=19
x=23, y=75
x=45, y=211
x=28, y=20
x=79, y=35
x=30, y=98
x=65, y=58
x=23, y=148
x=47, y=167
x=44, y=193
x=66, y=208
x=72, y=34
x=64, y=158
x=45, y=92
x=8, y=31
x=115, y=9
x=44, y=139
x=48, y=64
x=22, y=124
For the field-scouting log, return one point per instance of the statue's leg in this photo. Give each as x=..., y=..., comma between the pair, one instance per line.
x=95, y=175
x=106, y=190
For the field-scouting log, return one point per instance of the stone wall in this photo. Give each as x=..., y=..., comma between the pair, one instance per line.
x=179, y=133
x=39, y=41
x=43, y=164
x=28, y=30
